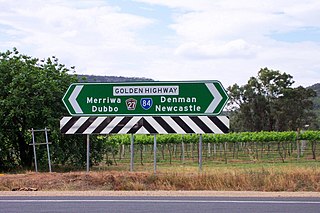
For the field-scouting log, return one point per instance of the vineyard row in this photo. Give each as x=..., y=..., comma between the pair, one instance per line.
x=216, y=138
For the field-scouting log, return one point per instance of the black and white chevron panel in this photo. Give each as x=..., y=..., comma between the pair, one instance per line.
x=145, y=125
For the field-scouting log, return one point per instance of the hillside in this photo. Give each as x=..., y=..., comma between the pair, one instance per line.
x=100, y=79
x=316, y=88
x=316, y=101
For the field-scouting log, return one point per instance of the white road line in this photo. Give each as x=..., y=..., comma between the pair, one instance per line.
x=161, y=201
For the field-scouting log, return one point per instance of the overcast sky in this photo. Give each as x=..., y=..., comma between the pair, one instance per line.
x=169, y=40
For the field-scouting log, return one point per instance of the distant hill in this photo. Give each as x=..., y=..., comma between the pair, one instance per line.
x=316, y=88
x=109, y=79
x=316, y=101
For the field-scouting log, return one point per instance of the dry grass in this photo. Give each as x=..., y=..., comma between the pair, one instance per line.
x=225, y=179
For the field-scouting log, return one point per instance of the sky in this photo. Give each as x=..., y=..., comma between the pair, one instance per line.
x=169, y=40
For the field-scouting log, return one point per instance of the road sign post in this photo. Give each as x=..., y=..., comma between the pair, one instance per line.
x=146, y=98
x=88, y=153
x=145, y=108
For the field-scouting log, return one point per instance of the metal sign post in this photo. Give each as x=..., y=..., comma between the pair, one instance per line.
x=34, y=150
x=200, y=153
x=88, y=153
x=132, y=153
x=155, y=154
x=48, y=151
x=45, y=130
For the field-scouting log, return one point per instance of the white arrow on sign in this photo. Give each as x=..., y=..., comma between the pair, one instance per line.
x=73, y=97
x=217, y=97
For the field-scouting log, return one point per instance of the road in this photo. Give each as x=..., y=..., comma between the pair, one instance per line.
x=27, y=204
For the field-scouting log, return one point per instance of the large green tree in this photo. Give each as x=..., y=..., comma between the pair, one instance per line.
x=30, y=97
x=268, y=102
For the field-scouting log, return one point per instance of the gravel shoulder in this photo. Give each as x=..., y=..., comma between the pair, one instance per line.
x=162, y=193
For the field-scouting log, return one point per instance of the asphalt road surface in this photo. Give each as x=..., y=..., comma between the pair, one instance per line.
x=118, y=204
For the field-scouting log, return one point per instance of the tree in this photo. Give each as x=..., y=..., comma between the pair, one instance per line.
x=30, y=97
x=268, y=102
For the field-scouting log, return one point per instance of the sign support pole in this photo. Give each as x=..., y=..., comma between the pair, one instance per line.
x=155, y=154
x=88, y=153
x=182, y=149
x=48, y=151
x=200, y=153
x=34, y=150
x=132, y=153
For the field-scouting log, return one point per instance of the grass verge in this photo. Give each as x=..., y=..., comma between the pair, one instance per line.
x=269, y=178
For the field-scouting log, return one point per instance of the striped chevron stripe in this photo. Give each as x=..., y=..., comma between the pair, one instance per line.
x=145, y=125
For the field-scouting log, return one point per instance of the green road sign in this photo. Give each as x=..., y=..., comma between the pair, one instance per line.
x=146, y=98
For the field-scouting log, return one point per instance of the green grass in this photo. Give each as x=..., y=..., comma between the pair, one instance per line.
x=207, y=166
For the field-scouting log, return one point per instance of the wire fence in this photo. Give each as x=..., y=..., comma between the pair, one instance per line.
x=241, y=152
